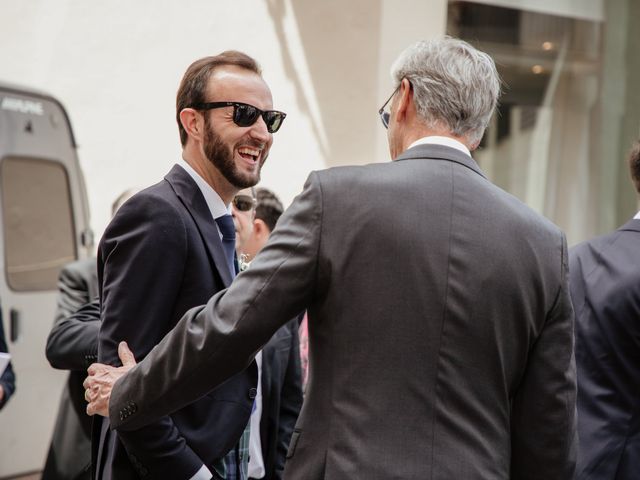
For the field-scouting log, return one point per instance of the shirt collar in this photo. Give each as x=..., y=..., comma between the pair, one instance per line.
x=637, y=217
x=439, y=140
x=216, y=206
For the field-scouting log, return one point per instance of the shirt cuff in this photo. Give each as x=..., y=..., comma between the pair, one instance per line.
x=202, y=474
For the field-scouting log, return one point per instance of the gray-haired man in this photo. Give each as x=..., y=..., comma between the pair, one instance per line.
x=440, y=323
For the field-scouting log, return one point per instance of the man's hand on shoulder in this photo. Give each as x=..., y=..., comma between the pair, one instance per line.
x=99, y=383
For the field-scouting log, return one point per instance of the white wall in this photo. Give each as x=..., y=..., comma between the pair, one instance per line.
x=116, y=66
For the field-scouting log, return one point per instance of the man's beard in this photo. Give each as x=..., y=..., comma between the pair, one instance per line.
x=221, y=156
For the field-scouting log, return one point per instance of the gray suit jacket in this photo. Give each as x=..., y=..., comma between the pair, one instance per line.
x=440, y=328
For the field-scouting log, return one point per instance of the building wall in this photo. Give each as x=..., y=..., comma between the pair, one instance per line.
x=116, y=67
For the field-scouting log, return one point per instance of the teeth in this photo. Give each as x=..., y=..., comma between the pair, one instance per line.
x=249, y=151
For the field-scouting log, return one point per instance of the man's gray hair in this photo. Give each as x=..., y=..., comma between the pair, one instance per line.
x=454, y=85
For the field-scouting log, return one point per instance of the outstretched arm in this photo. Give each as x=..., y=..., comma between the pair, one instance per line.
x=213, y=342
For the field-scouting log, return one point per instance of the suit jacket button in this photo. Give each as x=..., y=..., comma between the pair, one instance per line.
x=252, y=393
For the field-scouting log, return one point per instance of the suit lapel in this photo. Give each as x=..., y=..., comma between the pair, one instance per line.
x=189, y=193
x=440, y=152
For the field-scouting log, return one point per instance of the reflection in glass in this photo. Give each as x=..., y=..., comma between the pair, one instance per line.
x=544, y=146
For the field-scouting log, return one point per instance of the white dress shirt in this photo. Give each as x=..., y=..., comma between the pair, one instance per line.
x=438, y=140
x=216, y=206
x=256, y=462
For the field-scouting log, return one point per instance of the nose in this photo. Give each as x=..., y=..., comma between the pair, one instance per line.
x=259, y=131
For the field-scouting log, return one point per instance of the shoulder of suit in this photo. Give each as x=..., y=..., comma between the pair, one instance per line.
x=348, y=173
x=80, y=272
x=81, y=266
x=599, y=243
x=156, y=211
x=155, y=201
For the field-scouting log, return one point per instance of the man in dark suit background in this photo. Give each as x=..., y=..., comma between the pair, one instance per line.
x=8, y=377
x=440, y=322
x=168, y=249
x=605, y=289
x=279, y=395
x=73, y=345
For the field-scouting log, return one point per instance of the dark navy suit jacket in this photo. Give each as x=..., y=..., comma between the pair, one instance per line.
x=160, y=256
x=605, y=290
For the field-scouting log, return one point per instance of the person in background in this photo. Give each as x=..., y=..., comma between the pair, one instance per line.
x=8, y=377
x=72, y=345
x=605, y=290
x=279, y=397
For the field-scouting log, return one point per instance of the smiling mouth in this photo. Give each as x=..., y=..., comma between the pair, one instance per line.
x=248, y=153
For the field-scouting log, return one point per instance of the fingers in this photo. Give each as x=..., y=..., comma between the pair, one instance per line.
x=96, y=368
x=90, y=394
x=126, y=355
x=97, y=402
x=92, y=409
x=101, y=378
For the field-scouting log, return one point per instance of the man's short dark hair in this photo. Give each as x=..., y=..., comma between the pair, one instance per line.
x=193, y=86
x=269, y=207
x=634, y=165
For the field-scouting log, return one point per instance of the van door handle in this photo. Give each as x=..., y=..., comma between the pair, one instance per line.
x=14, y=324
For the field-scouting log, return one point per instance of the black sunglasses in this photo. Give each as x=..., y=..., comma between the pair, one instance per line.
x=244, y=203
x=245, y=115
x=384, y=116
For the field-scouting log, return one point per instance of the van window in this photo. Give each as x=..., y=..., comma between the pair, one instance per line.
x=39, y=234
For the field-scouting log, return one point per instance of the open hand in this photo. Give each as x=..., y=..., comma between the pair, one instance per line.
x=99, y=383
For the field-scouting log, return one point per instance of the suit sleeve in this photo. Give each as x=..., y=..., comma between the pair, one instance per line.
x=543, y=417
x=8, y=378
x=577, y=275
x=290, y=401
x=142, y=255
x=212, y=343
x=73, y=341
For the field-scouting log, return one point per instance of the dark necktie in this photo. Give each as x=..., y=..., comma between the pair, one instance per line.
x=228, y=230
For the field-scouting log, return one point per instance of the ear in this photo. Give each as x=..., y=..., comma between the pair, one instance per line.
x=405, y=101
x=193, y=122
x=260, y=228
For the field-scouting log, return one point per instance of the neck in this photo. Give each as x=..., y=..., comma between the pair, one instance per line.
x=417, y=134
x=210, y=174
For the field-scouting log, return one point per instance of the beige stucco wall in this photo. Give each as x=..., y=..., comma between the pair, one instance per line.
x=116, y=67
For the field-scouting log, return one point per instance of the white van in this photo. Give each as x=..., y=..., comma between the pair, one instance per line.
x=45, y=225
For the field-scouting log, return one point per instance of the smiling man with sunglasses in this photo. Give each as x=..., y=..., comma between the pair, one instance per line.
x=168, y=249
x=440, y=323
